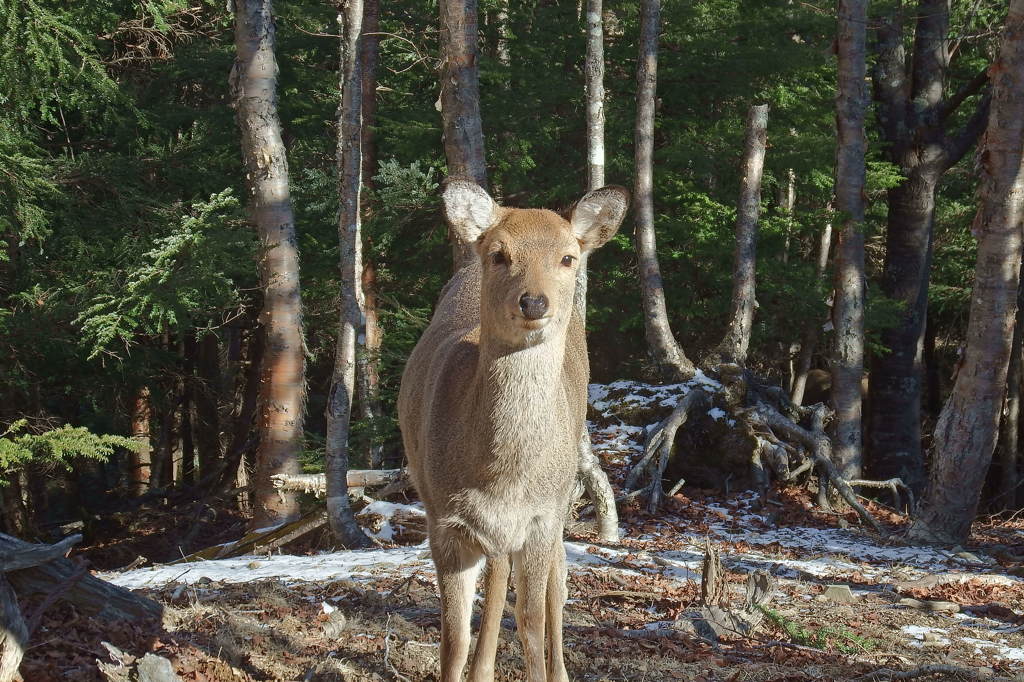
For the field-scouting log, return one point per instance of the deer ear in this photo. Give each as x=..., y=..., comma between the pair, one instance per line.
x=469, y=210
x=596, y=217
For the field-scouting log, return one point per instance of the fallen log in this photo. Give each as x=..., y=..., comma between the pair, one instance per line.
x=27, y=568
x=317, y=483
x=261, y=540
x=89, y=593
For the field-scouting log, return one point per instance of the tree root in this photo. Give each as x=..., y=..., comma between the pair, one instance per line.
x=783, y=447
x=658, y=448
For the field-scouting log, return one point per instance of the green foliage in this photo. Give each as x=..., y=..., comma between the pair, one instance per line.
x=188, y=272
x=828, y=637
x=55, y=447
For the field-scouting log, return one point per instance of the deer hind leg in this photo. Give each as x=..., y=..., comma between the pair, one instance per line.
x=555, y=603
x=495, y=592
x=457, y=569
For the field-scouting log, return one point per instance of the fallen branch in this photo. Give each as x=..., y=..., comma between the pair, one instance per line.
x=15, y=557
x=262, y=540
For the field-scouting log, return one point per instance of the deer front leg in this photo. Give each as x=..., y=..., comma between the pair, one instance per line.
x=457, y=569
x=534, y=564
x=495, y=592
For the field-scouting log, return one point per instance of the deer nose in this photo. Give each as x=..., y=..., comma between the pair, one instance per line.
x=533, y=307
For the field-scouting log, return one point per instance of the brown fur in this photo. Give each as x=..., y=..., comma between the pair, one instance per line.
x=491, y=406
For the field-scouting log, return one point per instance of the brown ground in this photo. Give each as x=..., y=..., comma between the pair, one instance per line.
x=388, y=629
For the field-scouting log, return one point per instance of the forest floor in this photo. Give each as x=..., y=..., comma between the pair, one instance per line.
x=374, y=614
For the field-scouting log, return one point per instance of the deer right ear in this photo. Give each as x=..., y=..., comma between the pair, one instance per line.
x=469, y=210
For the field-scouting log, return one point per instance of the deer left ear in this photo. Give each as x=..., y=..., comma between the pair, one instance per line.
x=596, y=217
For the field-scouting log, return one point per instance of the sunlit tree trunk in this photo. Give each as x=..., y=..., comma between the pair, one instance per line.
x=735, y=344
x=139, y=460
x=343, y=379
x=368, y=355
x=594, y=70
x=669, y=359
x=460, y=102
x=282, y=387
x=368, y=364
x=966, y=432
x=848, y=303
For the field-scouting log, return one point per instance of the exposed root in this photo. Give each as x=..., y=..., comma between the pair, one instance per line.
x=658, y=448
x=783, y=449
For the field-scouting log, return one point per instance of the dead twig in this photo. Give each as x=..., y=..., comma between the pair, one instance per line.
x=387, y=654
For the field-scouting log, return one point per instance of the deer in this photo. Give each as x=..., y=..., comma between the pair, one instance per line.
x=491, y=405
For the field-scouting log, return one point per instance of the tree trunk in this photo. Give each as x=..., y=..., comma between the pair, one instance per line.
x=787, y=202
x=848, y=304
x=1009, y=434
x=460, y=102
x=669, y=359
x=189, y=352
x=897, y=376
x=594, y=70
x=810, y=337
x=247, y=401
x=733, y=347
x=206, y=403
x=965, y=435
x=282, y=386
x=913, y=115
x=367, y=366
x=369, y=57
x=139, y=461
x=339, y=403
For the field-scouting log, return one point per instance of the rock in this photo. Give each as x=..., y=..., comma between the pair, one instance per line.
x=153, y=668
x=839, y=593
x=932, y=606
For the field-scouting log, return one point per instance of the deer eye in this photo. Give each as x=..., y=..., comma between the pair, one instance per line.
x=567, y=261
x=498, y=258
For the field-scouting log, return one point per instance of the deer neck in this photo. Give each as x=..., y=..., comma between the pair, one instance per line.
x=518, y=390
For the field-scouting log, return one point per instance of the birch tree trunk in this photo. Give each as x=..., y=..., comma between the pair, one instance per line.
x=965, y=434
x=343, y=379
x=594, y=69
x=460, y=102
x=914, y=118
x=669, y=359
x=282, y=386
x=591, y=475
x=848, y=303
x=734, y=346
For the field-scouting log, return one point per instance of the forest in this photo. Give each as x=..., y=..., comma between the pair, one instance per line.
x=226, y=227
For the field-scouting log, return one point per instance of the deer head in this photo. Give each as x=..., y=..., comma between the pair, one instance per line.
x=529, y=257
